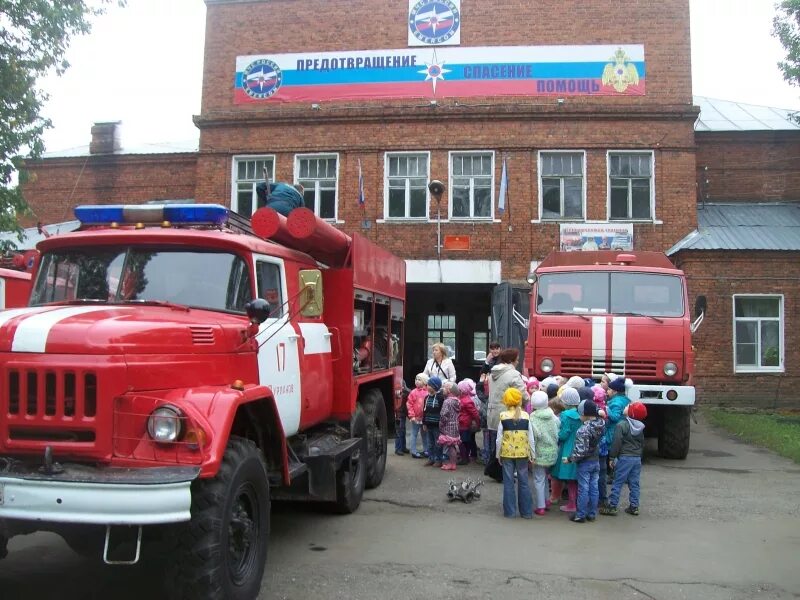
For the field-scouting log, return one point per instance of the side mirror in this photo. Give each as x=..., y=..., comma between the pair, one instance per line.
x=258, y=310
x=700, y=306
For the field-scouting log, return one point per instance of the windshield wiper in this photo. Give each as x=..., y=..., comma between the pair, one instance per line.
x=635, y=314
x=157, y=303
x=76, y=301
x=563, y=312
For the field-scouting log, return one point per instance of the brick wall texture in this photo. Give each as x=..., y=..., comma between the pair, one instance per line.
x=514, y=129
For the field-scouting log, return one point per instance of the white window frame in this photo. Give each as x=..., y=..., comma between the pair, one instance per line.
x=472, y=216
x=781, y=318
x=652, y=218
x=322, y=155
x=386, y=216
x=234, y=181
x=583, y=194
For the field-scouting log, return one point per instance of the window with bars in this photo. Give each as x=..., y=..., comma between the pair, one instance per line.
x=758, y=333
x=407, y=186
x=630, y=184
x=442, y=328
x=561, y=175
x=248, y=173
x=317, y=174
x=471, y=185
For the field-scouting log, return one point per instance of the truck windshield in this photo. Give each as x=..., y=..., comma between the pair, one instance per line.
x=645, y=294
x=196, y=278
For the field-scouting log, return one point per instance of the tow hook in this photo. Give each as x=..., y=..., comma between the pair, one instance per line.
x=50, y=467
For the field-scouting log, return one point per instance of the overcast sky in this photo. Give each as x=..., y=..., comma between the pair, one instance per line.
x=143, y=65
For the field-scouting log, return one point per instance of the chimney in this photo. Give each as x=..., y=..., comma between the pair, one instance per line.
x=106, y=138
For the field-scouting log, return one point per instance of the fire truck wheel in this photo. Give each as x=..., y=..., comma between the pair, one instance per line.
x=377, y=432
x=352, y=474
x=221, y=553
x=673, y=434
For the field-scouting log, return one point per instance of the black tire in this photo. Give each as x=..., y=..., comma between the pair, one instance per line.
x=674, y=432
x=351, y=476
x=377, y=434
x=221, y=553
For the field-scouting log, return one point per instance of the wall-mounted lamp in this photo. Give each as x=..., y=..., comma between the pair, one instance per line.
x=560, y=101
x=315, y=107
x=434, y=103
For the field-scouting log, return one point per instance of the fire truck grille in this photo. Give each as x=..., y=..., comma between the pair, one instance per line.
x=554, y=332
x=585, y=367
x=50, y=405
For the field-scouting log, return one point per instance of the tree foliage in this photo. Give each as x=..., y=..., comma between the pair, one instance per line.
x=34, y=37
x=786, y=27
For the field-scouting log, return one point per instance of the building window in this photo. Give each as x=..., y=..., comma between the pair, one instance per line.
x=758, y=333
x=406, y=186
x=442, y=328
x=247, y=174
x=630, y=185
x=318, y=175
x=480, y=342
x=471, y=185
x=561, y=182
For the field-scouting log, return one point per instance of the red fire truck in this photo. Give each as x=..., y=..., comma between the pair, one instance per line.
x=624, y=313
x=15, y=278
x=15, y=287
x=176, y=370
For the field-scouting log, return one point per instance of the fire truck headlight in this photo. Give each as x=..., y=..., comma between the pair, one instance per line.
x=547, y=365
x=165, y=424
x=670, y=369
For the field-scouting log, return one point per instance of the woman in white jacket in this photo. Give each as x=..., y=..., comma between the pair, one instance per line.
x=503, y=375
x=440, y=366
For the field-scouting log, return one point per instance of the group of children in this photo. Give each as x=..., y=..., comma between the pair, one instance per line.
x=567, y=436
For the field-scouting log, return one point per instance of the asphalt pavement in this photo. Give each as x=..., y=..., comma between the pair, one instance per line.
x=724, y=524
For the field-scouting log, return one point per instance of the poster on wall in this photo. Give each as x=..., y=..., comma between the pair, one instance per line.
x=434, y=22
x=596, y=236
x=559, y=71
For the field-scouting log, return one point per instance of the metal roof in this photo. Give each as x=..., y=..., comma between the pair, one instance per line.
x=31, y=235
x=182, y=147
x=725, y=115
x=744, y=226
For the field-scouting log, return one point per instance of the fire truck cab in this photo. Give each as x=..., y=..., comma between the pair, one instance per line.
x=627, y=313
x=177, y=369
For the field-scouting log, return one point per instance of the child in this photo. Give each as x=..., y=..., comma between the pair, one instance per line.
x=568, y=472
x=586, y=455
x=617, y=401
x=556, y=486
x=627, y=446
x=600, y=401
x=400, y=418
x=469, y=421
x=515, y=449
x=431, y=411
x=449, y=439
x=545, y=434
x=416, y=401
x=531, y=385
x=606, y=379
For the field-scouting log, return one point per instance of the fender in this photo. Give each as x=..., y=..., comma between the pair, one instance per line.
x=211, y=408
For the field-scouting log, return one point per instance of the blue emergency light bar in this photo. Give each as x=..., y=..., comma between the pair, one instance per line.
x=177, y=214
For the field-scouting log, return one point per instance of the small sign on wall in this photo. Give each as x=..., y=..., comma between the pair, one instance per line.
x=434, y=22
x=457, y=242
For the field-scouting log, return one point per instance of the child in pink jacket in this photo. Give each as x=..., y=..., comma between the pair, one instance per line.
x=469, y=421
x=415, y=404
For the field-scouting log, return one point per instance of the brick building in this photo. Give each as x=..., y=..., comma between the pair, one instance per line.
x=581, y=145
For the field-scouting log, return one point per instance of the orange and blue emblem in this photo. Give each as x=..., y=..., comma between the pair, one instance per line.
x=261, y=79
x=434, y=22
